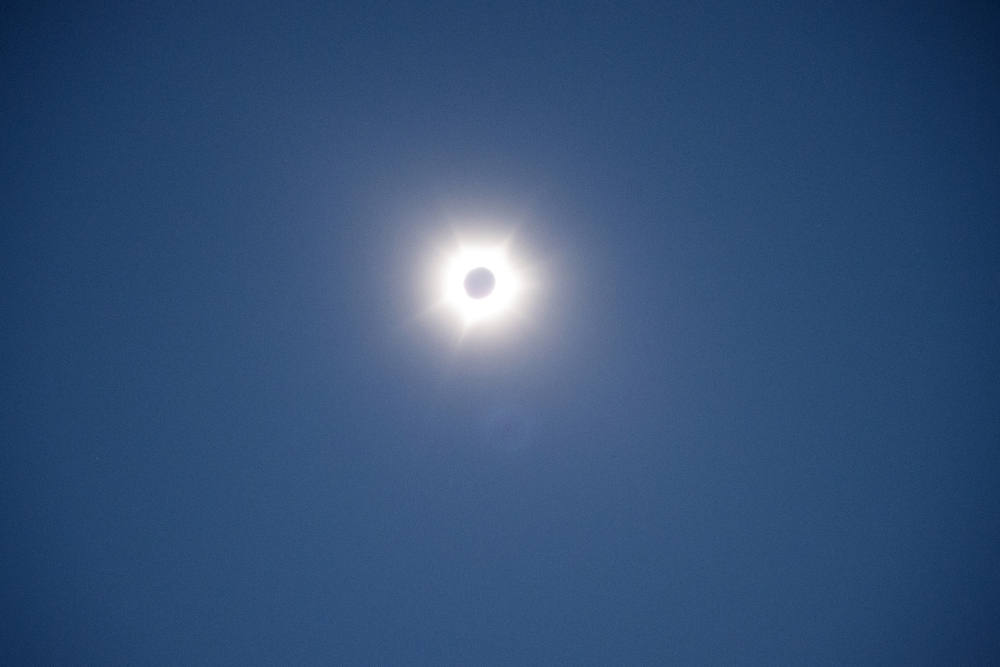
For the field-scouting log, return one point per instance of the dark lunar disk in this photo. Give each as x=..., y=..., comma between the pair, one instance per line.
x=479, y=282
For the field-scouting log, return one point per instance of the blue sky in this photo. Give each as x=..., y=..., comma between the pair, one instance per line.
x=749, y=416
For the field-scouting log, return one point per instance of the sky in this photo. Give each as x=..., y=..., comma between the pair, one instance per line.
x=744, y=412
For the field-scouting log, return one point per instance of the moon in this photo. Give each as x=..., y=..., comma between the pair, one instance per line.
x=479, y=282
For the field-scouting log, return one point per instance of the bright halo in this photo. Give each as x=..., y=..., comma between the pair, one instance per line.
x=469, y=290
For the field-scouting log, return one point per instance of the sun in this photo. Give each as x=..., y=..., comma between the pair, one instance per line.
x=480, y=283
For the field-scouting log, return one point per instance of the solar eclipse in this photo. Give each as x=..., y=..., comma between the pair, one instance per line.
x=480, y=283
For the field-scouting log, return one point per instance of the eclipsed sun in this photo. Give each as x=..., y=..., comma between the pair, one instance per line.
x=480, y=283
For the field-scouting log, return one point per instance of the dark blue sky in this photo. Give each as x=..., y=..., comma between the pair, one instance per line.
x=758, y=396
